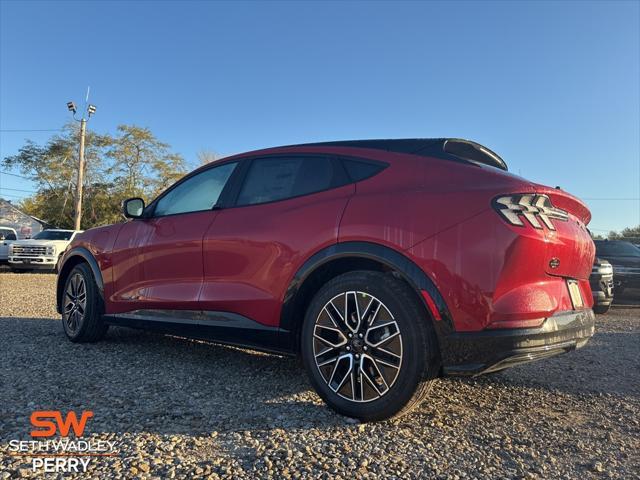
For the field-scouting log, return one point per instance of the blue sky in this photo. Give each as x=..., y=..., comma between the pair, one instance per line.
x=553, y=87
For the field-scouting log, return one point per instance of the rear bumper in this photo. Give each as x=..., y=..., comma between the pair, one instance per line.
x=601, y=288
x=475, y=353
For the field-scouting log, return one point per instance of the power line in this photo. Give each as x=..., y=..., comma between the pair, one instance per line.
x=18, y=190
x=13, y=196
x=14, y=175
x=614, y=199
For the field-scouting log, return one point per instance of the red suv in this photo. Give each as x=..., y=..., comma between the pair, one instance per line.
x=383, y=263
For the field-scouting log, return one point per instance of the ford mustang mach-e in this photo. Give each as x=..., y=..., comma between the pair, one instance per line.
x=383, y=263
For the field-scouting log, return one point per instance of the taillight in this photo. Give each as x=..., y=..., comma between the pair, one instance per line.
x=530, y=206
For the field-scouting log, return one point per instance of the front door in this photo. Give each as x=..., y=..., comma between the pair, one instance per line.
x=169, y=251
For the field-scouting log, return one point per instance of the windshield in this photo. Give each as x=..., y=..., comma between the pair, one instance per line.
x=617, y=249
x=53, y=235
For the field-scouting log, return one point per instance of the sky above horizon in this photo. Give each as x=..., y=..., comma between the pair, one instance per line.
x=552, y=87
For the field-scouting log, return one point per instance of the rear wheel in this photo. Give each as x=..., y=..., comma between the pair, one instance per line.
x=82, y=307
x=368, y=349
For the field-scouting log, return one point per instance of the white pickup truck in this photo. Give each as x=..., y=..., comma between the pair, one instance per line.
x=40, y=252
x=7, y=236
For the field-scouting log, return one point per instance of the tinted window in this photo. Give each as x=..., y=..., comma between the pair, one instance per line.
x=278, y=178
x=360, y=170
x=53, y=235
x=617, y=249
x=198, y=193
x=7, y=234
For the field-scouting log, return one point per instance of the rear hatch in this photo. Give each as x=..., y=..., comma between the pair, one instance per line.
x=570, y=249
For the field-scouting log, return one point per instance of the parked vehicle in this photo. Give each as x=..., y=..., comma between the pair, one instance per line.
x=601, y=281
x=625, y=258
x=7, y=237
x=383, y=263
x=40, y=252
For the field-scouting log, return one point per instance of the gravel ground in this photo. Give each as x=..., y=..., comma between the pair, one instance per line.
x=183, y=409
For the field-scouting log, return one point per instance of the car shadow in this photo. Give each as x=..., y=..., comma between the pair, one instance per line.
x=165, y=384
x=137, y=381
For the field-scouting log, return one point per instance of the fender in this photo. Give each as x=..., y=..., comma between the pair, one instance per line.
x=88, y=257
x=393, y=259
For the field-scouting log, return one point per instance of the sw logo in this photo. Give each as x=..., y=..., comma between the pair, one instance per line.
x=44, y=419
x=47, y=423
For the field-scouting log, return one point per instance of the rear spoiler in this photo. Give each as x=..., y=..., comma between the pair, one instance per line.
x=567, y=202
x=454, y=149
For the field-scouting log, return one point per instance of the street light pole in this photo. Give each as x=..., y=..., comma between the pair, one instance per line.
x=78, y=210
x=91, y=109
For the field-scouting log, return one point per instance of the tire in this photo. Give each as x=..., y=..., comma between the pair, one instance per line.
x=601, y=309
x=399, y=326
x=82, y=320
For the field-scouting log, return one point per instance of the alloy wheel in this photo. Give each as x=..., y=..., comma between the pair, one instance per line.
x=75, y=303
x=357, y=346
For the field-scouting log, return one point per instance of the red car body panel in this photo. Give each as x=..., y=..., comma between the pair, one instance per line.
x=251, y=253
x=438, y=214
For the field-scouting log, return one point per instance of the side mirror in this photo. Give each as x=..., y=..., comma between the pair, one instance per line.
x=1, y=237
x=133, y=207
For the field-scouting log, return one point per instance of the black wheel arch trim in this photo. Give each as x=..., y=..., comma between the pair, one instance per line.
x=88, y=257
x=410, y=272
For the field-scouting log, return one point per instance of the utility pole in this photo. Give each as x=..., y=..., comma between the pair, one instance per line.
x=90, y=109
x=78, y=209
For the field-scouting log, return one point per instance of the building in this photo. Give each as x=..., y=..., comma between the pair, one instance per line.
x=25, y=225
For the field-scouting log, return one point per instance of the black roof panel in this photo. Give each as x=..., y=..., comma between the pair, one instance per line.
x=454, y=149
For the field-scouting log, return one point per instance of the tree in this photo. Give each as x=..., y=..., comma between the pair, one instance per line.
x=630, y=234
x=131, y=163
x=207, y=156
x=141, y=164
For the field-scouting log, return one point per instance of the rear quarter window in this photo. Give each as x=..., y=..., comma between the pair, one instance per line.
x=361, y=170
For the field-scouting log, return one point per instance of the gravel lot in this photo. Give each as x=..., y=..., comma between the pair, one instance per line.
x=179, y=408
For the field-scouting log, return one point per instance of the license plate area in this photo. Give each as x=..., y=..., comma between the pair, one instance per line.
x=574, y=293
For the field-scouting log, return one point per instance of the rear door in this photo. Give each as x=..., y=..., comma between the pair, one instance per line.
x=287, y=208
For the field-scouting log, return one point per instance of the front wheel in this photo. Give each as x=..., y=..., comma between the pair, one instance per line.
x=82, y=306
x=368, y=347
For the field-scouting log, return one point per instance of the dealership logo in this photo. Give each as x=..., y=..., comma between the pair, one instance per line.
x=57, y=444
x=43, y=419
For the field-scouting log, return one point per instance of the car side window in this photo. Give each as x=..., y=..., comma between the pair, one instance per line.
x=198, y=193
x=278, y=178
x=10, y=236
x=358, y=170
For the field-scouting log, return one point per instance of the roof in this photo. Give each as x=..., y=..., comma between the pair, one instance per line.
x=6, y=203
x=454, y=149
